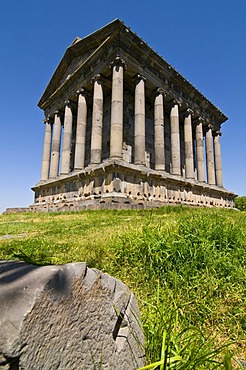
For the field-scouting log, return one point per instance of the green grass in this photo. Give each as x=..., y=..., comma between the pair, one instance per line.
x=186, y=267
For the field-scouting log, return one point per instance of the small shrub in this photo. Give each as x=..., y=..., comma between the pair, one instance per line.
x=240, y=203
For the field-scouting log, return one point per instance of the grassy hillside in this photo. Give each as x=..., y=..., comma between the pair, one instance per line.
x=186, y=267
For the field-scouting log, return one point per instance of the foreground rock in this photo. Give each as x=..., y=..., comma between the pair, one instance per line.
x=67, y=317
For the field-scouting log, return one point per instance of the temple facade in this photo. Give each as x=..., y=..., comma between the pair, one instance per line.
x=123, y=129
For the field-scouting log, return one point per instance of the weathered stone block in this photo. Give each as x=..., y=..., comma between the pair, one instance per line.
x=67, y=317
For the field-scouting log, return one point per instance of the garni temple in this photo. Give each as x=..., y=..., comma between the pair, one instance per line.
x=123, y=129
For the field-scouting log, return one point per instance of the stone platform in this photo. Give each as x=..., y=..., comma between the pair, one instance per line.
x=113, y=184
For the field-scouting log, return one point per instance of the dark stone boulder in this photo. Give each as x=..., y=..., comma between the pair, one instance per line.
x=67, y=317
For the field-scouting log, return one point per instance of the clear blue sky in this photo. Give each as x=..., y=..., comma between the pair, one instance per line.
x=205, y=40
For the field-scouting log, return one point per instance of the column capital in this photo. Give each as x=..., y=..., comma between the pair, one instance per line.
x=47, y=119
x=70, y=104
x=174, y=102
x=199, y=120
x=81, y=91
x=160, y=91
x=67, y=103
x=97, y=78
x=58, y=113
x=208, y=127
x=188, y=112
x=118, y=61
x=139, y=77
x=217, y=133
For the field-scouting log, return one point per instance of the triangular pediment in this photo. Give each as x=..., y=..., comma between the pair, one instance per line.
x=73, y=65
x=76, y=54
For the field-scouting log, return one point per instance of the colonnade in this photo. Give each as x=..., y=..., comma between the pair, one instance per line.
x=193, y=153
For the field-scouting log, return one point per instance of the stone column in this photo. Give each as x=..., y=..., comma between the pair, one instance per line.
x=159, y=130
x=79, y=158
x=210, y=156
x=67, y=139
x=217, y=158
x=56, y=142
x=139, y=123
x=97, y=121
x=200, y=150
x=189, y=158
x=46, y=150
x=175, y=139
x=116, y=130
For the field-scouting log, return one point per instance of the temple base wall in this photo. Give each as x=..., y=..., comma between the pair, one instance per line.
x=115, y=184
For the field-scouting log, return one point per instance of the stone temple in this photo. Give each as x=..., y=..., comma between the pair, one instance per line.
x=124, y=129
